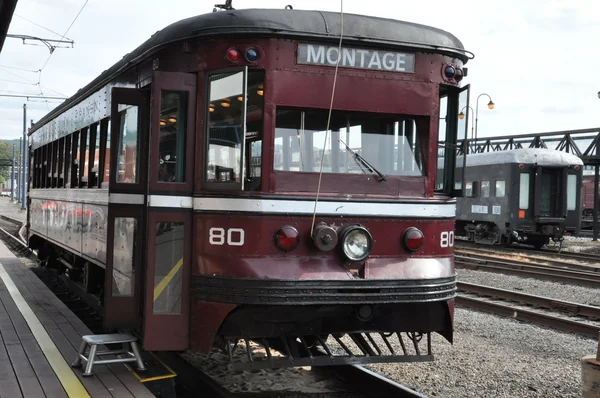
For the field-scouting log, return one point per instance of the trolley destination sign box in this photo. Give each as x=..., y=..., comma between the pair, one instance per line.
x=318, y=54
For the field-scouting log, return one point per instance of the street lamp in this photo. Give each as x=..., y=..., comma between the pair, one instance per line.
x=461, y=116
x=490, y=105
x=598, y=94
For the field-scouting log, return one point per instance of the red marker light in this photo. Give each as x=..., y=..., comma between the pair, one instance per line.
x=413, y=239
x=577, y=168
x=521, y=166
x=287, y=238
x=233, y=55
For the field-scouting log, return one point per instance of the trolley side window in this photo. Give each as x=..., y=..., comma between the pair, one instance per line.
x=60, y=166
x=84, y=157
x=76, y=160
x=571, y=192
x=168, y=263
x=235, y=130
x=68, y=160
x=123, y=256
x=524, y=191
x=172, y=145
x=106, y=146
x=128, y=142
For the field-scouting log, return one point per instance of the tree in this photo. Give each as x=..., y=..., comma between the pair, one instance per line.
x=6, y=156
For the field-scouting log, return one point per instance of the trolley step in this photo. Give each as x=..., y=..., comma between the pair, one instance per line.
x=130, y=351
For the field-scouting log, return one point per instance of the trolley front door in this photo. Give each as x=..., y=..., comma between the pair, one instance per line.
x=169, y=241
x=123, y=297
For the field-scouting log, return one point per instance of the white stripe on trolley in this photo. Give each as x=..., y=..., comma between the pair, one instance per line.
x=337, y=208
x=182, y=202
x=126, y=198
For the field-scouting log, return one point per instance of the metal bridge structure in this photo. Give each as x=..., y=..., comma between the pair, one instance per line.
x=584, y=143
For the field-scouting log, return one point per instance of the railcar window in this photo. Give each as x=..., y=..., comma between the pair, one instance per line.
x=60, y=167
x=94, y=151
x=45, y=166
x=500, y=188
x=390, y=143
x=485, y=189
x=76, y=161
x=68, y=161
x=123, y=256
x=173, y=124
x=54, y=172
x=84, y=157
x=106, y=177
x=168, y=267
x=127, y=162
x=571, y=192
x=469, y=189
x=524, y=191
x=231, y=156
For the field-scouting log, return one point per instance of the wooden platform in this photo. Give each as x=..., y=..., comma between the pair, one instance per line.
x=39, y=337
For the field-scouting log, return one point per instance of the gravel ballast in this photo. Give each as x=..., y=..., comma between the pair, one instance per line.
x=497, y=357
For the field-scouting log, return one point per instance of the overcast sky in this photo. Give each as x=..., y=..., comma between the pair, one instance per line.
x=537, y=59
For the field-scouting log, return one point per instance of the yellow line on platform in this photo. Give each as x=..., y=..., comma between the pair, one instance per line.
x=165, y=281
x=63, y=371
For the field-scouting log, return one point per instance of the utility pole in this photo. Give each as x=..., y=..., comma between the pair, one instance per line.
x=25, y=149
x=12, y=177
x=18, y=196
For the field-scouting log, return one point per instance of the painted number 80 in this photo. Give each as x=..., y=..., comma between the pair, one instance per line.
x=233, y=236
x=447, y=239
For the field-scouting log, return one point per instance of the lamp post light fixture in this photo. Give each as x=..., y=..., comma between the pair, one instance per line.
x=598, y=94
x=461, y=116
x=490, y=105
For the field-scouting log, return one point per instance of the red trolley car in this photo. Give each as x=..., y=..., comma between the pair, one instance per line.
x=205, y=189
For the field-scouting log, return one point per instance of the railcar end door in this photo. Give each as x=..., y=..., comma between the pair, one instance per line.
x=127, y=208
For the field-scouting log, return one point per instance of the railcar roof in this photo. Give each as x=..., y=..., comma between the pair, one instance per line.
x=320, y=25
x=540, y=156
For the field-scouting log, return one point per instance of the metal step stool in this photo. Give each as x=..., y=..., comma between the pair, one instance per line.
x=93, y=340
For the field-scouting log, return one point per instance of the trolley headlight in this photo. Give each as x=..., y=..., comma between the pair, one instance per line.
x=356, y=243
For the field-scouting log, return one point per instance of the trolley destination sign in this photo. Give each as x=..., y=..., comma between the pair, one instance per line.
x=318, y=54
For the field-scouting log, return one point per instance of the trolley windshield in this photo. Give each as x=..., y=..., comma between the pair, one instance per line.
x=390, y=144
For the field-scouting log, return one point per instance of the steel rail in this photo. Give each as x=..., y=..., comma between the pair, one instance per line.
x=373, y=383
x=462, y=249
x=538, y=318
x=566, y=307
x=541, y=272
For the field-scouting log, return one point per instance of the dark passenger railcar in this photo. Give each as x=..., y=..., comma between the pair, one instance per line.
x=204, y=191
x=525, y=195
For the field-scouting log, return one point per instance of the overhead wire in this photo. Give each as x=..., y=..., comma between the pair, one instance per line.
x=62, y=37
x=37, y=24
x=21, y=69
x=339, y=56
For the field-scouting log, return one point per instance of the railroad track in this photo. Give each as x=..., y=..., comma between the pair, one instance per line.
x=191, y=380
x=526, y=269
x=593, y=260
x=487, y=299
x=9, y=232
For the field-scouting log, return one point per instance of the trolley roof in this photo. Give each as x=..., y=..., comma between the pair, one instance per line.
x=539, y=156
x=296, y=24
x=7, y=9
